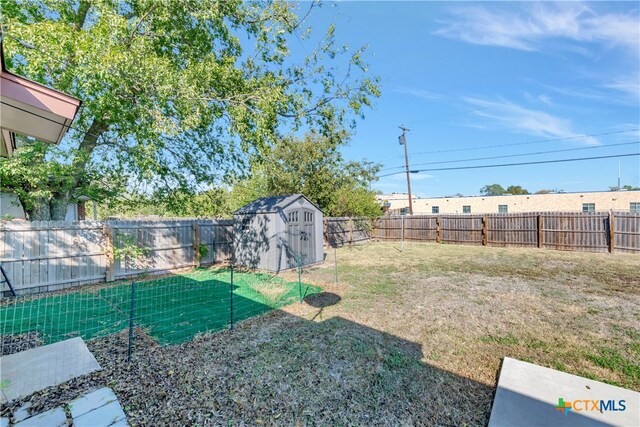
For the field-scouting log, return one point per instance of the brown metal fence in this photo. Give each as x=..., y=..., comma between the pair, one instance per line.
x=572, y=231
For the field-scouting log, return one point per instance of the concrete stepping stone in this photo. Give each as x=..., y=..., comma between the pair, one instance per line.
x=22, y=412
x=32, y=370
x=104, y=416
x=53, y=418
x=531, y=395
x=92, y=401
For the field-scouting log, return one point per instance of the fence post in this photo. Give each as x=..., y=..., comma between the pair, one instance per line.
x=335, y=261
x=612, y=226
x=540, y=231
x=299, y=278
x=351, y=231
x=196, y=244
x=324, y=231
x=108, y=251
x=231, y=300
x=438, y=230
x=402, y=234
x=485, y=231
x=131, y=317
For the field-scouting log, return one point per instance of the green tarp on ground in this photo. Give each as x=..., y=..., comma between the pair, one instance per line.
x=172, y=309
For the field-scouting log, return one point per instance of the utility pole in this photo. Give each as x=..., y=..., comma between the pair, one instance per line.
x=618, y=174
x=403, y=141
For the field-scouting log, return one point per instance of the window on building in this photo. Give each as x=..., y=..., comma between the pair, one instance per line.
x=466, y=209
x=246, y=224
x=435, y=209
x=404, y=211
x=634, y=207
x=503, y=209
x=588, y=207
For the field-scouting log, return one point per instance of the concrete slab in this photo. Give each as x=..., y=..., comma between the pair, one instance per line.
x=22, y=413
x=104, y=416
x=528, y=395
x=32, y=370
x=53, y=418
x=92, y=401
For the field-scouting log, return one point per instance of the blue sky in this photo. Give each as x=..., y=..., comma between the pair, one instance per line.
x=463, y=75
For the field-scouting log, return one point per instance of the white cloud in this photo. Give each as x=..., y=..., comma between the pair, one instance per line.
x=531, y=27
x=629, y=85
x=420, y=93
x=515, y=117
x=545, y=99
x=624, y=90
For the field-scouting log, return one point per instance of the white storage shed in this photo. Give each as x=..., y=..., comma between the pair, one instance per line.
x=272, y=233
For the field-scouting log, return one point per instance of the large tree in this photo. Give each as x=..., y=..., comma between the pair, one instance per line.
x=313, y=166
x=492, y=190
x=178, y=95
x=516, y=189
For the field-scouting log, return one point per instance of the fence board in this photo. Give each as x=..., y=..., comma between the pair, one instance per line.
x=341, y=231
x=461, y=229
x=49, y=255
x=574, y=231
x=626, y=232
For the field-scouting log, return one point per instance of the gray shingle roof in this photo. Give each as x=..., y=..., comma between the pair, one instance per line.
x=269, y=204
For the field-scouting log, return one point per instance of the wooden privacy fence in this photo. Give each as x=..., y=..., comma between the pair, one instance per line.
x=574, y=231
x=339, y=231
x=47, y=255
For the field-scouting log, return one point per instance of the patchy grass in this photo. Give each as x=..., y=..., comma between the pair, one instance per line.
x=416, y=338
x=469, y=306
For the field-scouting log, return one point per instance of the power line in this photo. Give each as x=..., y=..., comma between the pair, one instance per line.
x=517, y=155
x=528, y=142
x=516, y=164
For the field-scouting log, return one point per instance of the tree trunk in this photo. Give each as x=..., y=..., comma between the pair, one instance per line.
x=39, y=212
x=58, y=208
x=55, y=209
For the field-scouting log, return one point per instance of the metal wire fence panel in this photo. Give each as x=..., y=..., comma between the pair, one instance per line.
x=170, y=310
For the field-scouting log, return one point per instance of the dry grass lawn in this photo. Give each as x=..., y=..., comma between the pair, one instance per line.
x=417, y=338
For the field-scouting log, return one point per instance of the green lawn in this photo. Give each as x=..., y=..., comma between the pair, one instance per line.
x=172, y=309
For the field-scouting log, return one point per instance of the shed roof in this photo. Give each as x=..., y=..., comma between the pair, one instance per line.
x=271, y=204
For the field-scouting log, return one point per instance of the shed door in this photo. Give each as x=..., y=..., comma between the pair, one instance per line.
x=301, y=234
